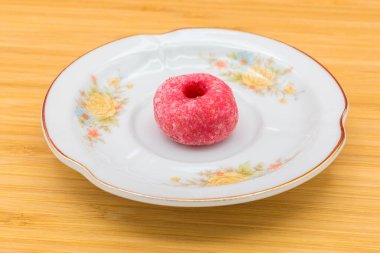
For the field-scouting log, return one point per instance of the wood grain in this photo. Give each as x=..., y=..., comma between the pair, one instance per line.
x=47, y=207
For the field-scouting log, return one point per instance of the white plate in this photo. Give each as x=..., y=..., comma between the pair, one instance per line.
x=98, y=118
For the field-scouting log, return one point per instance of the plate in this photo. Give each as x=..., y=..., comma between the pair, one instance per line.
x=98, y=118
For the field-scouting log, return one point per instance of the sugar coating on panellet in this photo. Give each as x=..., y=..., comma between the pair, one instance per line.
x=195, y=109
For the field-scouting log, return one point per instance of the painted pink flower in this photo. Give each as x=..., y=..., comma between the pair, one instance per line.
x=93, y=133
x=275, y=165
x=243, y=61
x=220, y=64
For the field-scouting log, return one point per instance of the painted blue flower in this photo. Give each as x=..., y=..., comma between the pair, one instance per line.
x=83, y=115
x=245, y=58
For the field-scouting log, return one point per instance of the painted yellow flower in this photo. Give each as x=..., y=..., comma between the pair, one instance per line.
x=100, y=106
x=256, y=73
x=264, y=72
x=253, y=81
x=289, y=89
x=226, y=178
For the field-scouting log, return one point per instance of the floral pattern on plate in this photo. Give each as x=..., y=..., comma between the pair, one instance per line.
x=98, y=107
x=256, y=73
x=230, y=175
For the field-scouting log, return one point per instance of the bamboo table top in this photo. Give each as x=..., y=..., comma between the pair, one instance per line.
x=48, y=207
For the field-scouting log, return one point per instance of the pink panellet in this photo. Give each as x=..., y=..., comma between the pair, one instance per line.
x=195, y=109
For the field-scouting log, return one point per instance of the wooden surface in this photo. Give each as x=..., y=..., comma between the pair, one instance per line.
x=47, y=207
